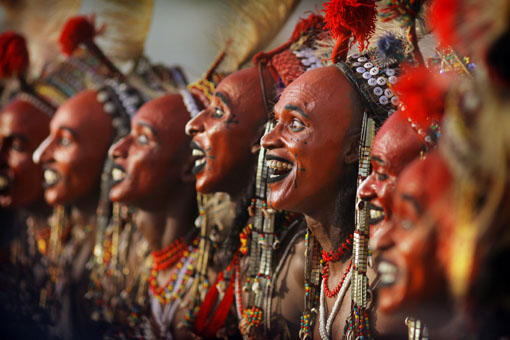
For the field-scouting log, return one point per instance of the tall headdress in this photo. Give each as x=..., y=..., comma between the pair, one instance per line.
x=40, y=21
x=285, y=63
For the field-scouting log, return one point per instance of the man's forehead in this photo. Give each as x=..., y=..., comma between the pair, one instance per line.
x=301, y=95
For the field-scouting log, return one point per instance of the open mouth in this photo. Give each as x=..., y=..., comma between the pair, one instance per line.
x=118, y=173
x=199, y=155
x=388, y=273
x=4, y=183
x=375, y=214
x=51, y=177
x=279, y=168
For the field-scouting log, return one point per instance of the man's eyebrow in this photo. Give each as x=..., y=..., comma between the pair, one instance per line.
x=71, y=131
x=291, y=107
x=223, y=97
x=414, y=202
x=378, y=160
x=148, y=126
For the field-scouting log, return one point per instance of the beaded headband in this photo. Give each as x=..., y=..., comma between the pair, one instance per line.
x=373, y=79
x=121, y=101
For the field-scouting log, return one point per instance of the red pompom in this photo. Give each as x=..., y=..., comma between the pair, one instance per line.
x=443, y=18
x=422, y=95
x=77, y=30
x=14, y=55
x=346, y=18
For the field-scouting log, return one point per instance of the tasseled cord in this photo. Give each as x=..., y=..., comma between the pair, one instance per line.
x=346, y=19
x=80, y=30
x=313, y=21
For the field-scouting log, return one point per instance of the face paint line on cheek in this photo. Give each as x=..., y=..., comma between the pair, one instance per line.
x=295, y=172
x=209, y=156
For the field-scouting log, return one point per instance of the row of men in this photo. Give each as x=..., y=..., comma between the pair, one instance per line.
x=327, y=194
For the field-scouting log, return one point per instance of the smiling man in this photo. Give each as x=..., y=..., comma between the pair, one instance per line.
x=396, y=144
x=313, y=153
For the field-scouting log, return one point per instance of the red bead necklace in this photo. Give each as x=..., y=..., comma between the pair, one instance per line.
x=334, y=256
x=169, y=255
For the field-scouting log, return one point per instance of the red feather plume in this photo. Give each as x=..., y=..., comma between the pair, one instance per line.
x=77, y=30
x=422, y=95
x=14, y=55
x=346, y=18
x=443, y=18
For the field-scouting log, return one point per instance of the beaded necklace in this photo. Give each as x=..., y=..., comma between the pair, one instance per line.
x=168, y=293
x=334, y=256
x=169, y=255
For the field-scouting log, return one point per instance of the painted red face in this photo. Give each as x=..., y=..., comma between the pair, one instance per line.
x=411, y=275
x=73, y=155
x=22, y=128
x=225, y=132
x=395, y=145
x=308, y=146
x=150, y=160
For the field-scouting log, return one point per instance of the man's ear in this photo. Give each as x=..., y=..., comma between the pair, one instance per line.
x=352, y=151
x=187, y=175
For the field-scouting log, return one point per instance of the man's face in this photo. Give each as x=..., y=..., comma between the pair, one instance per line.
x=73, y=155
x=308, y=146
x=395, y=146
x=411, y=276
x=225, y=132
x=150, y=160
x=22, y=128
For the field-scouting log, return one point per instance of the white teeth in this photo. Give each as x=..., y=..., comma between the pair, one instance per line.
x=376, y=213
x=386, y=267
x=388, y=279
x=200, y=161
x=118, y=174
x=197, y=152
x=387, y=272
x=278, y=165
x=50, y=176
x=4, y=181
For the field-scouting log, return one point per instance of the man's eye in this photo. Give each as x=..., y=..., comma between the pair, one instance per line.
x=143, y=139
x=17, y=145
x=296, y=125
x=64, y=141
x=218, y=113
x=382, y=177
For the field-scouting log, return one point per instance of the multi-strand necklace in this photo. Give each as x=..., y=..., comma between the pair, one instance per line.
x=176, y=252
x=339, y=291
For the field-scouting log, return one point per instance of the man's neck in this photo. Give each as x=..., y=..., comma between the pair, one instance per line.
x=166, y=223
x=84, y=210
x=325, y=229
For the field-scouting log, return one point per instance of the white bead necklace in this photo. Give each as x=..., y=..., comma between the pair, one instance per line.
x=325, y=325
